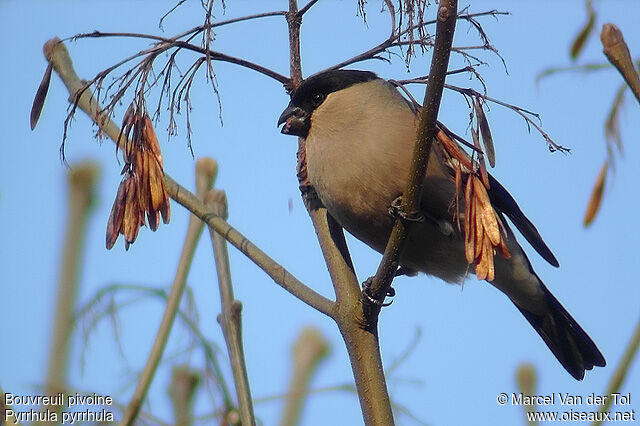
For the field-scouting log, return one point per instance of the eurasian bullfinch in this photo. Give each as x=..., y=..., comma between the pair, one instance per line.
x=360, y=133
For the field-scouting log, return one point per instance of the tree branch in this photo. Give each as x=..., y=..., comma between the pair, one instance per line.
x=362, y=345
x=230, y=318
x=277, y=272
x=306, y=8
x=617, y=52
x=524, y=113
x=447, y=13
x=182, y=390
x=394, y=38
x=82, y=181
x=194, y=230
x=57, y=54
x=618, y=377
x=329, y=233
x=309, y=349
x=169, y=43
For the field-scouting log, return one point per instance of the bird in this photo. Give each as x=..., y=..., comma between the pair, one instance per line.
x=359, y=133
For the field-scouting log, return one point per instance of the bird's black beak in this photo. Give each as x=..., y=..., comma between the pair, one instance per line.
x=296, y=121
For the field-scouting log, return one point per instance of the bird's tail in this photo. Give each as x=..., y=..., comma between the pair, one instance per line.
x=567, y=340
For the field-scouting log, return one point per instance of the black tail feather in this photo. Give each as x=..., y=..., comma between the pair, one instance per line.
x=567, y=340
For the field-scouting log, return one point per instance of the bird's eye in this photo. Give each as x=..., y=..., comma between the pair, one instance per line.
x=318, y=98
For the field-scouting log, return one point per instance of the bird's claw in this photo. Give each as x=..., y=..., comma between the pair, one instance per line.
x=395, y=211
x=366, y=293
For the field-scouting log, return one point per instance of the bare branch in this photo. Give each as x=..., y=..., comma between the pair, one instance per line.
x=612, y=125
x=294, y=21
x=362, y=345
x=395, y=38
x=617, y=52
x=102, y=304
x=527, y=380
x=139, y=74
x=168, y=43
x=524, y=113
x=306, y=8
x=230, y=318
x=520, y=111
x=169, y=12
x=184, y=383
x=309, y=349
x=199, y=28
x=82, y=181
x=184, y=264
x=278, y=273
x=381, y=283
x=619, y=376
x=57, y=54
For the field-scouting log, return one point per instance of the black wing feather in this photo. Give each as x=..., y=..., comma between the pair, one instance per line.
x=503, y=201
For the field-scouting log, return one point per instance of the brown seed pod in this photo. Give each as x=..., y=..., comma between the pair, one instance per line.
x=41, y=95
x=593, y=206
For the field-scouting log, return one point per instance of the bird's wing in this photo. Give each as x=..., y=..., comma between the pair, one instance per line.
x=504, y=202
x=500, y=198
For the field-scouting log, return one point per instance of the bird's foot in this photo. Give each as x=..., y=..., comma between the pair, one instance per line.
x=366, y=293
x=395, y=211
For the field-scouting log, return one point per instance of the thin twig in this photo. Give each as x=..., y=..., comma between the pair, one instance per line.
x=248, y=18
x=524, y=113
x=82, y=181
x=294, y=21
x=199, y=28
x=194, y=230
x=140, y=72
x=527, y=379
x=395, y=38
x=7, y=410
x=230, y=318
x=620, y=374
x=573, y=68
x=447, y=13
x=168, y=43
x=277, y=272
x=310, y=348
x=306, y=8
x=617, y=52
x=362, y=345
x=520, y=111
x=110, y=290
x=182, y=390
x=57, y=54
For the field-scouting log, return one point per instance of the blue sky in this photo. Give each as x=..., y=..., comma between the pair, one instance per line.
x=472, y=338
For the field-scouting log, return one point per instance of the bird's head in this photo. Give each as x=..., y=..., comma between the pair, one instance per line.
x=312, y=93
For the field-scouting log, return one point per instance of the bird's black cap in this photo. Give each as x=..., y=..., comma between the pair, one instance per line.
x=315, y=88
x=312, y=92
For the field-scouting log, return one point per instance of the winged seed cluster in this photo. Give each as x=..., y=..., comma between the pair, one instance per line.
x=484, y=233
x=142, y=189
